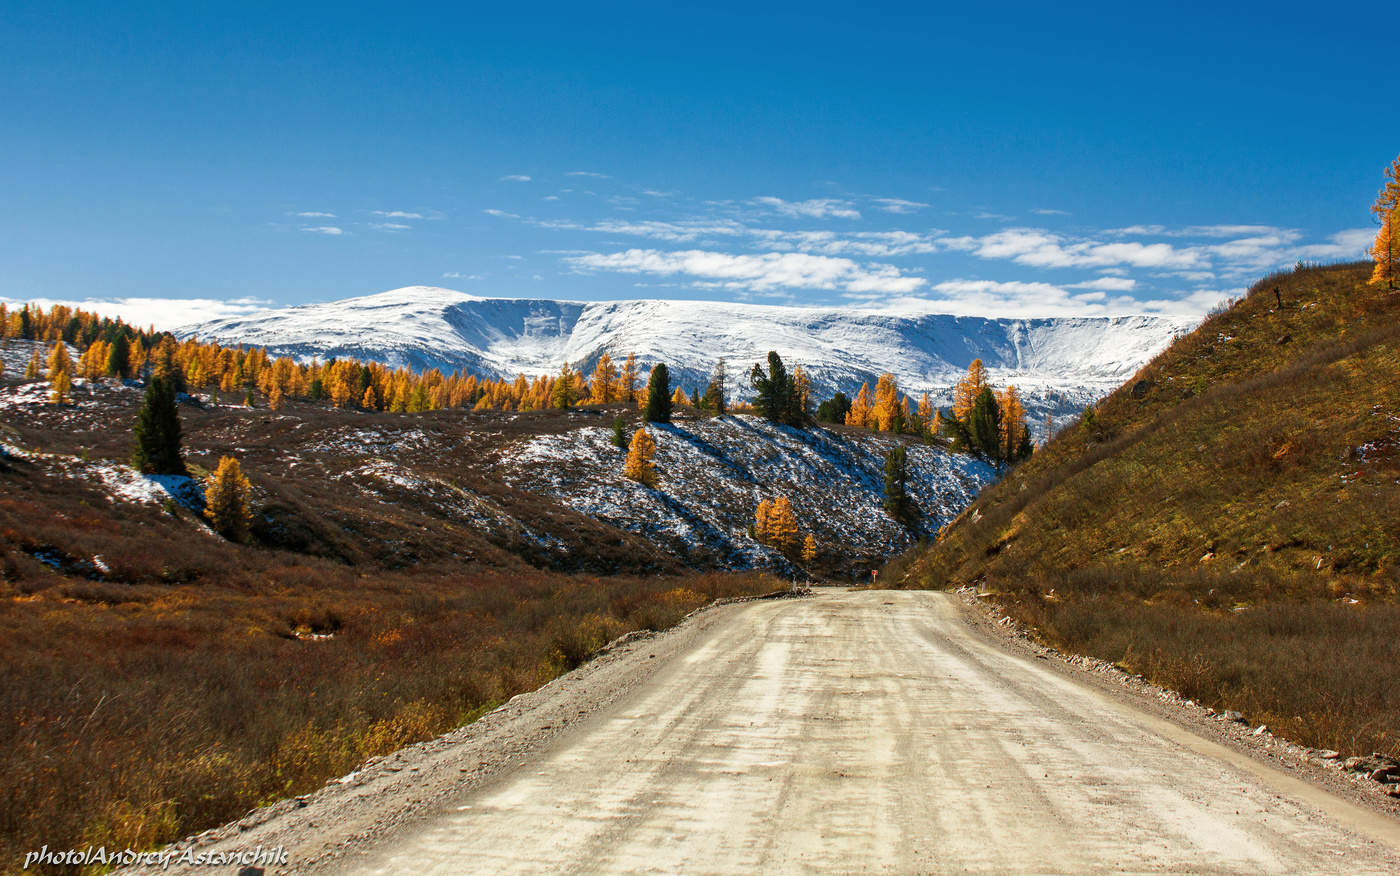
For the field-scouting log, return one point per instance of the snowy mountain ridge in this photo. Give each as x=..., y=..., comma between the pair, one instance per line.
x=1055, y=360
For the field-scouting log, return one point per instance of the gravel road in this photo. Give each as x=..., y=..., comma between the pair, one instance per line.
x=848, y=732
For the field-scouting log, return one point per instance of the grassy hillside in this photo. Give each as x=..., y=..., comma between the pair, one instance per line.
x=1228, y=522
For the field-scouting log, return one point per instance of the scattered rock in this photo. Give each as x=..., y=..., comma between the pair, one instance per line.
x=1232, y=716
x=1283, y=339
x=1328, y=754
x=1384, y=774
x=1261, y=729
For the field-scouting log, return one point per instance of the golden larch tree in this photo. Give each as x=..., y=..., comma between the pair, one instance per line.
x=1013, y=421
x=34, y=370
x=1386, y=248
x=809, y=548
x=627, y=380
x=761, y=522
x=859, y=414
x=604, y=380
x=782, y=526
x=966, y=391
x=679, y=397
x=229, y=501
x=885, y=411
x=639, y=466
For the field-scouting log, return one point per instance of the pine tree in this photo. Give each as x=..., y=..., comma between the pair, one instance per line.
x=228, y=501
x=119, y=357
x=604, y=380
x=164, y=364
x=859, y=413
x=157, y=449
x=966, y=391
x=897, y=502
x=658, y=406
x=834, y=409
x=26, y=325
x=639, y=465
x=714, y=393
x=619, y=433
x=777, y=396
x=984, y=426
x=809, y=548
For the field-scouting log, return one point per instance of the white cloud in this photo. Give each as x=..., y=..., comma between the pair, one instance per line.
x=653, y=193
x=817, y=208
x=1043, y=249
x=1026, y=299
x=331, y=230
x=314, y=214
x=899, y=205
x=500, y=213
x=515, y=177
x=588, y=173
x=1352, y=243
x=397, y=214
x=551, y=197
x=165, y=314
x=1107, y=284
x=389, y=226
x=458, y=275
x=1043, y=211
x=754, y=272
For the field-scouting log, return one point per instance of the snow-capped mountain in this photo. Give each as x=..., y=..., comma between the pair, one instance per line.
x=1059, y=363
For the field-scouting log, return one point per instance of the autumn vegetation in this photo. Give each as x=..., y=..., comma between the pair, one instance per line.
x=1224, y=523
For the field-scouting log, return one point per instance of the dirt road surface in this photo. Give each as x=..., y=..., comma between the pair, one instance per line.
x=847, y=732
x=871, y=731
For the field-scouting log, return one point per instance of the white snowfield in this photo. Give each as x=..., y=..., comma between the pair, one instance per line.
x=424, y=327
x=714, y=472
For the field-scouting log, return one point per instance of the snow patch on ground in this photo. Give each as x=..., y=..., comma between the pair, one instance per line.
x=714, y=472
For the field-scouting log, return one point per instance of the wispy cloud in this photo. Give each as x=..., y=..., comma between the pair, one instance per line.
x=1045, y=211
x=1043, y=249
x=458, y=275
x=502, y=214
x=331, y=230
x=898, y=205
x=1107, y=284
x=515, y=177
x=754, y=272
x=389, y=226
x=588, y=173
x=397, y=214
x=314, y=214
x=817, y=208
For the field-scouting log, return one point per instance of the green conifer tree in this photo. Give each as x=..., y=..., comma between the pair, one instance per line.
x=157, y=449
x=658, y=409
x=897, y=502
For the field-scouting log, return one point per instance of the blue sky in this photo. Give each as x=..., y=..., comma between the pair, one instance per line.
x=1012, y=159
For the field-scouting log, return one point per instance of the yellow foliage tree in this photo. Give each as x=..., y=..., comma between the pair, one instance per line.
x=229, y=501
x=760, y=520
x=679, y=397
x=604, y=380
x=859, y=414
x=627, y=381
x=809, y=548
x=639, y=465
x=59, y=386
x=1385, y=251
x=1013, y=421
x=33, y=371
x=966, y=391
x=886, y=413
x=782, y=526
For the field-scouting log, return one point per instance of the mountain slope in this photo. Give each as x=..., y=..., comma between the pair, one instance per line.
x=1226, y=522
x=425, y=327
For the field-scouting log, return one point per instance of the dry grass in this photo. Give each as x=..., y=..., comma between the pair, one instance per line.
x=1227, y=525
x=137, y=714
